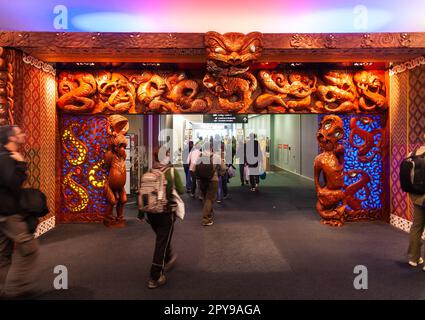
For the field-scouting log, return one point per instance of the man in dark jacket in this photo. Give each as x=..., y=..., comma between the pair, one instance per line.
x=18, y=248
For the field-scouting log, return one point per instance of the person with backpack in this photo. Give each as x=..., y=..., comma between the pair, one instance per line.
x=18, y=246
x=417, y=195
x=157, y=203
x=209, y=168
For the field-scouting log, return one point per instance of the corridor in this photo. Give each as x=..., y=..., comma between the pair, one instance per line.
x=266, y=245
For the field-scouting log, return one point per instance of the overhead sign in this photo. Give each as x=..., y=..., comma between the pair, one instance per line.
x=225, y=118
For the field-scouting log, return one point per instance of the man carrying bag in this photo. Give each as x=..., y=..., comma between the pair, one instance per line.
x=18, y=247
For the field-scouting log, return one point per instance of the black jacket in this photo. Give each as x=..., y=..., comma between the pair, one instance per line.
x=12, y=176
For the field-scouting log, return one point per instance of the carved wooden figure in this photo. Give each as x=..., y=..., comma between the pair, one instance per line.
x=330, y=163
x=229, y=58
x=116, y=172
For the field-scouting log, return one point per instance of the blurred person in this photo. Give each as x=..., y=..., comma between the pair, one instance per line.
x=418, y=225
x=185, y=158
x=191, y=161
x=18, y=247
x=253, y=158
x=240, y=155
x=209, y=168
x=162, y=223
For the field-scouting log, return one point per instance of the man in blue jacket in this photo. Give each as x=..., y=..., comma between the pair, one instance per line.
x=18, y=247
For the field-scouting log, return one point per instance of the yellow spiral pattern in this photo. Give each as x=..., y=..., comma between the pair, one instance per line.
x=92, y=176
x=81, y=148
x=81, y=191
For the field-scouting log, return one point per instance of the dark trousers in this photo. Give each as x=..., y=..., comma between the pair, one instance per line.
x=188, y=177
x=209, y=192
x=224, y=182
x=163, y=225
x=241, y=172
x=193, y=185
x=18, y=256
x=254, y=180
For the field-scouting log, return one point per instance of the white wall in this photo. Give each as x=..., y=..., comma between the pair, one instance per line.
x=259, y=124
x=309, y=146
x=299, y=133
x=286, y=131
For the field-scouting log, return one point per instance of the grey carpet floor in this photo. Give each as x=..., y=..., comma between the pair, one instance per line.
x=265, y=245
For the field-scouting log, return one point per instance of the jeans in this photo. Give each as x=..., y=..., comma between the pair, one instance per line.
x=222, y=186
x=188, y=177
x=163, y=226
x=418, y=226
x=18, y=256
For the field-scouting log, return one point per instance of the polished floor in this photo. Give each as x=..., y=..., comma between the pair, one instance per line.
x=266, y=245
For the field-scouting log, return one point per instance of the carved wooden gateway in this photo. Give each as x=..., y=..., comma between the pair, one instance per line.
x=102, y=74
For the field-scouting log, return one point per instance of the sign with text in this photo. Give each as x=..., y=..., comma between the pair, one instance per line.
x=225, y=118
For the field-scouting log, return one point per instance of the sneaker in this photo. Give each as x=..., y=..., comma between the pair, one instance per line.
x=171, y=263
x=416, y=263
x=153, y=284
x=208, y=224
x=218, y=201
x=253, y=189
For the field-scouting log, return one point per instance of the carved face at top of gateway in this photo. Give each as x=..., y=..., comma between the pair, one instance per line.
x=232, y=53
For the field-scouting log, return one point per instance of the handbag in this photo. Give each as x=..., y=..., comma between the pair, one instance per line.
x=178, y=203
x=231, y=172
x=246, y=172
x=263, y=173
x=33, y=202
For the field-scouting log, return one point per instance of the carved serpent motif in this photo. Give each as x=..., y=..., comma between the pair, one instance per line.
x=339, y=93
x=368, y=139
x=276, y=86
x=92, y=175
x=371, y=87
x=300, y=90
x=82, y=194
x=350, y=191
x=184, y=91
x=75, y=91
x=234, y=93
x=150, y=94
x=81, y=149
x=285, y=94
x=117, y=93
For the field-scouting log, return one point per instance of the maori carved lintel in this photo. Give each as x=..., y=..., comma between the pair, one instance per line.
x=301, y=41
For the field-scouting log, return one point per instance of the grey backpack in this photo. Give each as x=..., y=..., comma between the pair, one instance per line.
x=153, y=192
